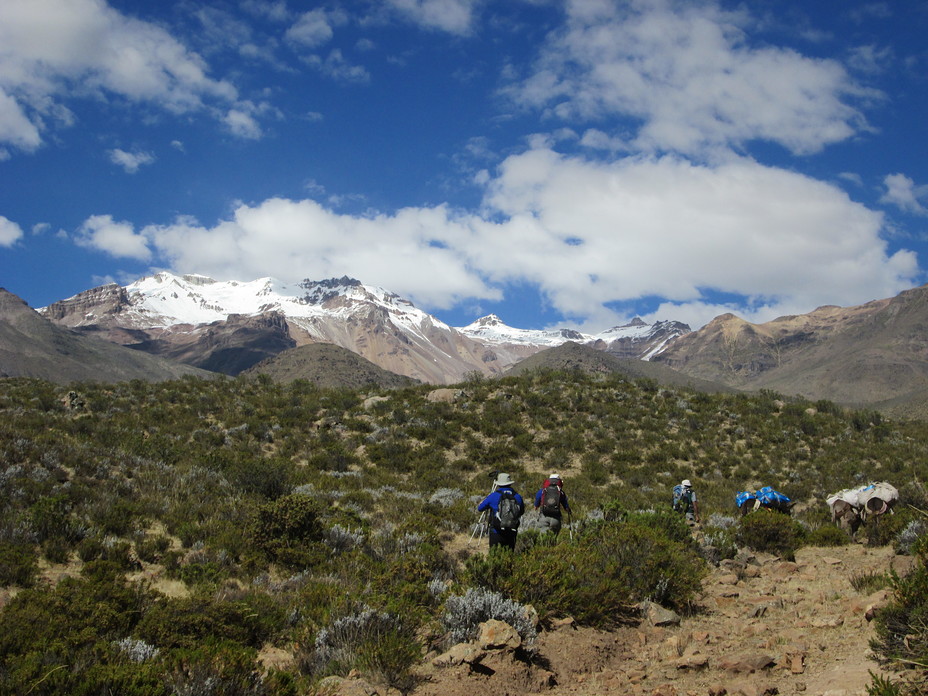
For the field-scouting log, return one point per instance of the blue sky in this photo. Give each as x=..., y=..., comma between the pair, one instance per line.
x=557, y=163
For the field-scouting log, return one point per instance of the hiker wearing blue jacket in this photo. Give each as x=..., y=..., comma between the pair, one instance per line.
x=506, y=508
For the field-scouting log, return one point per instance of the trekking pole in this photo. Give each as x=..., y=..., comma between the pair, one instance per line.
x=479, y=527
x=570, y=525
x=483, y=522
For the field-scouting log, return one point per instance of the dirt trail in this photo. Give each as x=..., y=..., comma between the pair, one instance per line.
x=770, y=626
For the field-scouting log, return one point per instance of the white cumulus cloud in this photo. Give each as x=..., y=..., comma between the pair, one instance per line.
x=102, y=233
x=689, y=78
x=55, y=50
x=130, y=161
x=452, y=16
x=590, y=235
x=10, y=232
x=901, y=191
x=312, y=29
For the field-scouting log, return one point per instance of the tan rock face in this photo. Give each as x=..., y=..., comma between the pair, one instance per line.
x=496, y=635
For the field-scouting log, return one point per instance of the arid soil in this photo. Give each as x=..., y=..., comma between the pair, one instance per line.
x=767, y=626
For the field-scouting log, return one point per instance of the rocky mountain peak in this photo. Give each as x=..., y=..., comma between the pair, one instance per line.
x=89, y=306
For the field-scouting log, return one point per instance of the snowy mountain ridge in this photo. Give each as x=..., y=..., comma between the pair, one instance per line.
x=163, y=311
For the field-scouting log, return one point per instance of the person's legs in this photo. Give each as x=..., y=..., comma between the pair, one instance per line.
x=549, y=524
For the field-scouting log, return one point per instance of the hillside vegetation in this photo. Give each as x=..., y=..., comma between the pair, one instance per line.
x=318, y=522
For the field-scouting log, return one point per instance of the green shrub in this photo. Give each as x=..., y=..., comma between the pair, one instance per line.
x=118, y=551
x=19, y=564
x=56, y=550
x=151, y=549
x=222, y=668
x=189, y=622
x=868, y=582
x=288, y=531
x=827, y=535
x=902, y=632
x=599, y=578
x=664, y=520
x=770, y=532
x=883, y=530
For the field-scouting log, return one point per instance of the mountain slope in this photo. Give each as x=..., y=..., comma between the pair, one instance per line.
x=329, y=366
x=859, y=355
x=229, y=326
x=31, y=346
x=636, y=339
x=573, y=356
x=191, y=317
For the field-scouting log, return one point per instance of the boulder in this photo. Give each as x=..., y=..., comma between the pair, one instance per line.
x=747, y=662
x=460, y=654
x=498, y=635
x=657, y=615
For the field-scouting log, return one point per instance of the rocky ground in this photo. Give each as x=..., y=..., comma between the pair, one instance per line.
x=765, y=626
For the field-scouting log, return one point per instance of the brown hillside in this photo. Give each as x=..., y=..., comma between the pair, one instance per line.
x=329, y=366
x=31, y=346
x=860, y=356
x=573, y=356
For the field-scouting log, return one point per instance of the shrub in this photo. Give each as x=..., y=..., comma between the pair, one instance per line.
x=151, y=549
x=464, y=614
x=868, y=582
x=902, y=631
x=664, y=520
x=18, y=564
x=377, y=643
x=770, y=532
x=109, y=548
x=884, y=529
x=56, y=550
x=289, y=531
x=828, y=535
x=908, y=538
x=214, y=669
x=598, y=579
x=718, y=544
x=189, y=622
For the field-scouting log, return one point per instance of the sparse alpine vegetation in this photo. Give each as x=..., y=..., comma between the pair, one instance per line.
x=304, y=519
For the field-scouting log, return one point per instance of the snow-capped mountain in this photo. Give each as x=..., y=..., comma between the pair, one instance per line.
x=492, y=331
x=228, y=326
x=633, y=340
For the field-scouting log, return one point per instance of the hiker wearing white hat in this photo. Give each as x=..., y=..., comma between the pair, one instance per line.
x=549, y=500
x=684, y=500
x=506, y=508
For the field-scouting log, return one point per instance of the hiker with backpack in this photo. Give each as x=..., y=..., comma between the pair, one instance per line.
x=505, y=507
x=549, y=500
x=684, y=500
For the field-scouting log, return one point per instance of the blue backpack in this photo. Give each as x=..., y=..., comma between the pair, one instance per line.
x=682, y=499
x=772, y=499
